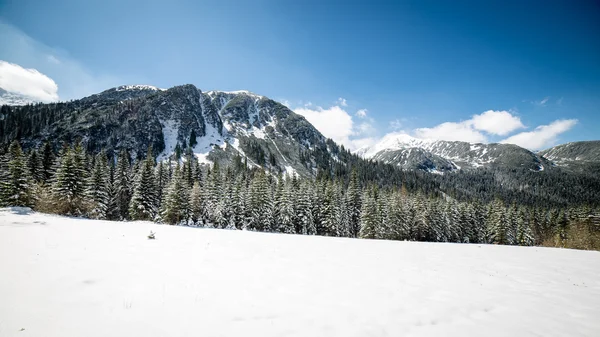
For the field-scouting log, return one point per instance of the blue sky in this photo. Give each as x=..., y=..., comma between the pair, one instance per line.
x=418, y=67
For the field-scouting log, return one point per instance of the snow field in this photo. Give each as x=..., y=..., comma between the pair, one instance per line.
x=73, y=277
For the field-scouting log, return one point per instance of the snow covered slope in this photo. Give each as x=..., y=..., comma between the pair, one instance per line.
x=11, y=98
x=222, y=126
x=64, y=277
x=577, y=156
x=440, y=155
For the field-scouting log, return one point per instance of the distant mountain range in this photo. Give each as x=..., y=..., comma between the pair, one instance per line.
x=440, y=156
x=263, y=132
x=241, y=127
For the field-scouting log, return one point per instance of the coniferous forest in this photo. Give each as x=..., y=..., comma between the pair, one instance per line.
x=184, y=192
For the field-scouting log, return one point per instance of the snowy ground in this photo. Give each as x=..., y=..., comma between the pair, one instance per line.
x=66, y=277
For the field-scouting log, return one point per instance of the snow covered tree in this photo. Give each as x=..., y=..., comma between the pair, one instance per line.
x=144, y=203
x=48, y=159
x=498, y=223
x=285, y=208
x=35, y=166
x=189, y=168
x=16, y=188
x=197, y=205
x=353, y=203
x=368, y=217
x=122, y=186
x=69, y=185
x=161, y=178
x=306, y=222
x=99, y=187
x=176, y=206
x=524, y=233
x=330, y=212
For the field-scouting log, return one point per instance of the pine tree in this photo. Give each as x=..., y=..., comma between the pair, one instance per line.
x=498, y=223
x=524, y=233
x=368, y=217
x=176, y=206
x=144, y=203
x=99, y=187
x=197, y=205
x=122, y=185
x=161, y=178
x=48, y=159
x=35, y=166
x=330, y=212
x=69, y=185
x=16, y=188
x=306, y=223
x=285, y=208
x=353, y=203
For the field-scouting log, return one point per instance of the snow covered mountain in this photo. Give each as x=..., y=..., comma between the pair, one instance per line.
x=580, y=156
x=216, y=125
x=11, y=98
x=444, y=156
x=588, y=151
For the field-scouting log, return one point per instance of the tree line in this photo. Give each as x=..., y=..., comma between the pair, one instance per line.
x=183, y=192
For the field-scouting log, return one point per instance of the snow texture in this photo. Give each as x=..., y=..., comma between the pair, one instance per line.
x=169, y=129
x=67, y=277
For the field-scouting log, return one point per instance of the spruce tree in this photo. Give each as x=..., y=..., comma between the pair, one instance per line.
x=353, y=203
x=197, y=205
x=176, y=206
x=524, y=233
x=368, y=217
x=35, y=166
x=122, y=185
x=161, y=178
x=69, y=185
x=99, y=187
x=17, y=187
x=144, y=204
x=48, y=159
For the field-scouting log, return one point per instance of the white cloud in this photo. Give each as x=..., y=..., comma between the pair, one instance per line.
x=362, y=113
x=363, y=142
x=28, y=82
x=333, y=122
x=365, y=128
x=338, y=124
x=342, y=101
x=474, y=130
x=462, y=131
x=71, y=76
x=496, y=122
x=543, y=136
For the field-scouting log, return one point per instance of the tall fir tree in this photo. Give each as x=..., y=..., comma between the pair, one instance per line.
x=35, y=166
x=48, y=159
x=17, y=183
x=122, y=185
x=144, y=203
x=99, y=187
x=176, y=206
x=69, y=185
